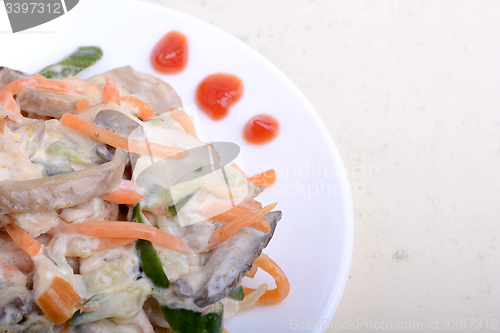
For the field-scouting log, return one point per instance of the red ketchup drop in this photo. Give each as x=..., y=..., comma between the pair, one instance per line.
x=217, y=93
x=170, y=54
x=261, y=129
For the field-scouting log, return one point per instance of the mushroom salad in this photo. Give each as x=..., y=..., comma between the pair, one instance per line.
x=114, y=216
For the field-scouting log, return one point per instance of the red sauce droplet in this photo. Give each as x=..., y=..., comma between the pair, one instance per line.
x=261, y=129
x=217, y=93
x=170, y=54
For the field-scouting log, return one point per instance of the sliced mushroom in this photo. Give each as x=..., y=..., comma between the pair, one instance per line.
x=116, y=121
x=61, y=191
x=8, y=75
x=90, y=113
x=18, y=311
x=226, y=266
x=15, y=303
x=146, y=87
x=44, y=103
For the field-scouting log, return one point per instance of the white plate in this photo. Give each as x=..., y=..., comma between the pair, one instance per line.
x=313, y=242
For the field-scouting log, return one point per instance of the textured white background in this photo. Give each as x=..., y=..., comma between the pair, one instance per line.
x=410, y=93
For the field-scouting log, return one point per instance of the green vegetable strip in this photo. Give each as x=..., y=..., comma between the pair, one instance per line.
x=149, y=260
x=59, y=148
x=174, y=208
x=82, y=58
x=237, y=293
x=79, y=317
x=187, y=321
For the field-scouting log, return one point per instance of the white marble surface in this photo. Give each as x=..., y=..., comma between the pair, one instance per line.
x=410, y=93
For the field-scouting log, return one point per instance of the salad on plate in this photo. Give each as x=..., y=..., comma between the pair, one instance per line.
x=114, y=216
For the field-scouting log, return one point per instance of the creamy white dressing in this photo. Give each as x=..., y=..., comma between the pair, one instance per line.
x=117, y=282
x=81, y=247
x=8, y=273
x=215, y=183
x=37, y=223
x=61, y=145
x=98, y=207
x=16, y=165
x=111, y=278
x=46, y=270
x=14, y=162
x=108, y=326
x=170, y=133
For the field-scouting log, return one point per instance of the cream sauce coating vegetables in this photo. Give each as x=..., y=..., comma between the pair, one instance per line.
x=104, y=194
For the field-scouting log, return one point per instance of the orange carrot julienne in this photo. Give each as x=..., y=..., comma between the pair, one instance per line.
x=111, y=243
x=235, y=212
x=226, y=231
x=120, y=229
x=282, y=284
x=9, y=104
x=23, y=240
x=92, y=90
x=184, y=120
x=60, y=301
x=105, y=136
x=145, y=109
x=3, y=122
x=265, y=178
x=122, y=196
x=110, y=92
x=82, y=105
x=251, y=273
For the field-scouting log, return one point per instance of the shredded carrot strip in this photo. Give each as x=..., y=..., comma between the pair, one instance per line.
x=13, y=88
x=3, y=122
x=145, y=109
x=38, y=81
x=60, y=301
x=9, y=104
x=110, y=92
x=251, y=273
x=230, y=215
x=103, y=135
x=92, y=90
x=122, y=196
x=23, y=240
x=282, y=284
x=82, y=105
x=111, y=243
x=120, y=229
x=265, y=178
x=184, y=120
x=226, y=231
